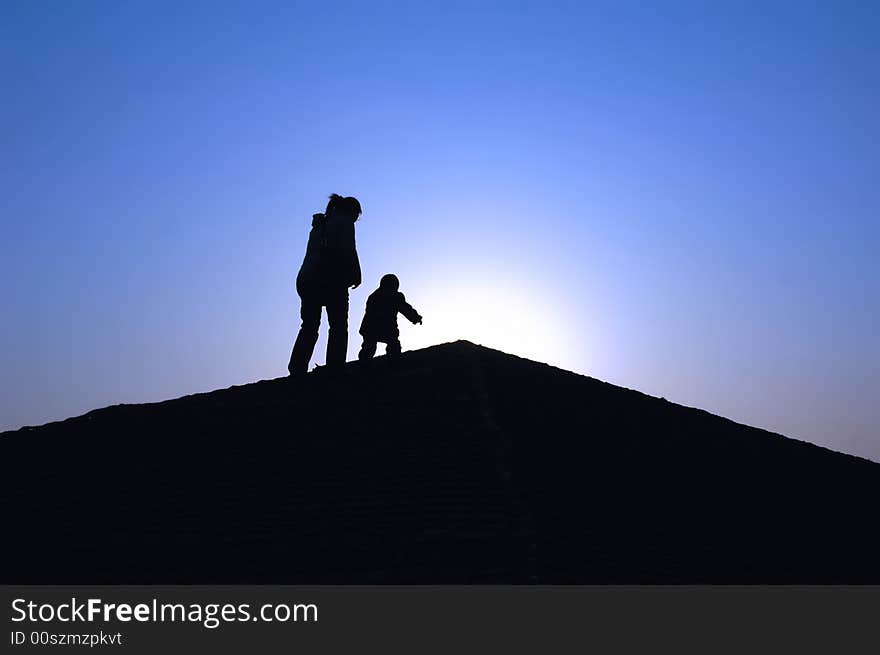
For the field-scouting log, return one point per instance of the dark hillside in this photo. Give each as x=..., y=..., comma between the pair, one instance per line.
x=625, y=487
x=458, y=465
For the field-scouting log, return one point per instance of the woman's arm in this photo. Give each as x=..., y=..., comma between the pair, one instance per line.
x=354, y=262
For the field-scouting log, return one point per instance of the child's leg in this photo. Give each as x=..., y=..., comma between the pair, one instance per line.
x=392, y=348
x=368, y=349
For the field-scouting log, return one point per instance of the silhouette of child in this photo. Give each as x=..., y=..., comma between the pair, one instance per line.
x=380, y=318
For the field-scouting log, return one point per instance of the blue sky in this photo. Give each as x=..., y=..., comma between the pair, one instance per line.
x=675, y=197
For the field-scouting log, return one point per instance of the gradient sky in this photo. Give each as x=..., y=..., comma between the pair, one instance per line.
x=680, y=198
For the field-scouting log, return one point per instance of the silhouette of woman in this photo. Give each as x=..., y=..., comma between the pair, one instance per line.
x=329, y=268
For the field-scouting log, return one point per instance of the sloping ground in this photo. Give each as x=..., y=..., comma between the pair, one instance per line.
x=627, y=488
x=458, y=465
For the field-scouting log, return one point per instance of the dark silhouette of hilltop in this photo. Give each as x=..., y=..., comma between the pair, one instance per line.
x=458, y=465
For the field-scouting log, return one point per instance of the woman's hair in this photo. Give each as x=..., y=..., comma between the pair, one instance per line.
x=348, y=206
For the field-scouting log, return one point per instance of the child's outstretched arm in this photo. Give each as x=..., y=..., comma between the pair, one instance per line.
x=407, y=310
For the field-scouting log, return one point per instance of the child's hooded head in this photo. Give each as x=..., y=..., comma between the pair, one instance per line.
x=389, y=282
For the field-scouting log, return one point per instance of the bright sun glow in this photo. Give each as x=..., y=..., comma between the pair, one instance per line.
x=498, y=314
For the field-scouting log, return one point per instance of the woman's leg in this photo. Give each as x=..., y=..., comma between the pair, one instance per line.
x=304, y=346
x=337, y=317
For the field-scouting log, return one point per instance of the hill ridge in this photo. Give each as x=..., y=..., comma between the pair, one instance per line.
x=458, y=464
x=457, y=343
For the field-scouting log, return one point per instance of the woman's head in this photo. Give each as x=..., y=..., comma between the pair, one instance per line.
x=339, y=206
